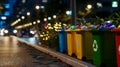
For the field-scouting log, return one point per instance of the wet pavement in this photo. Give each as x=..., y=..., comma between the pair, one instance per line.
x=15, y=54
x=32, y=40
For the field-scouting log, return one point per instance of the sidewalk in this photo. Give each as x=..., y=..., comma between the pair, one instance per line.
x=65, y=58
x=14, y=54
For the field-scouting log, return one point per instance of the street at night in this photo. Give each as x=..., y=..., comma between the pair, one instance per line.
x=59, y=33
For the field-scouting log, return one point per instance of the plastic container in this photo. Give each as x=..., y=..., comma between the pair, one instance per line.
x=84, y=44
x=104, y=54
x=71, y=42
x=117, y=36
x=62, y=41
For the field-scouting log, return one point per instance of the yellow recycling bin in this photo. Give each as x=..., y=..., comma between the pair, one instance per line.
x=71, y=42
x=79, y=43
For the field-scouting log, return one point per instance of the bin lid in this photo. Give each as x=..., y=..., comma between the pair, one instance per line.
x=62, y=30
x=117, y=30
x=68, y=30
x=77, y=30
x=100, y=30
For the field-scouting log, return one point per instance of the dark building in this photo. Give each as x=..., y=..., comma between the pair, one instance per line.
x=5, y=12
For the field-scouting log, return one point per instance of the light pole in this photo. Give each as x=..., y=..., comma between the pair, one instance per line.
x=73, y=8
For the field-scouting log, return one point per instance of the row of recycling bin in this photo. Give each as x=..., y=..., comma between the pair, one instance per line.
x=101, y=46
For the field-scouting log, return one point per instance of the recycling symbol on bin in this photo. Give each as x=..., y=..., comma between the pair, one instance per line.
x=95, y=46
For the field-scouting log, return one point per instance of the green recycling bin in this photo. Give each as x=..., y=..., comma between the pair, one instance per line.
x=104, y=52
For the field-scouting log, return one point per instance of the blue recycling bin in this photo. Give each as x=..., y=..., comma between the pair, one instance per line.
x=62, y=41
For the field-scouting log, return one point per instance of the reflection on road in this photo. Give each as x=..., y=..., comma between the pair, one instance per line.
x=11, y=55
x=31, y=40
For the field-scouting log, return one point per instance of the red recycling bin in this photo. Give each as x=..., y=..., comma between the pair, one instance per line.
x=117, y=31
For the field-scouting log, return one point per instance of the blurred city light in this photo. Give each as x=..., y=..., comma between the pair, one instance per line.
x=37, y=7
x=42, y=7
x=23, y=17
x=7, y=13
x=23, y=1
x=45, y=19
x=3, y=17
x=14, y=31
x=49, y=18
x=54, y=16
x=32, y=32
x=114, y=3
x=44, y=1
x=38, y=21
x=28, y=13
x=6, y=31
x=69, y=12
x=7, y=6
x=1, y=32
x=99, y=5
x=34, y=22
x=19, y=20
x=89, y=6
